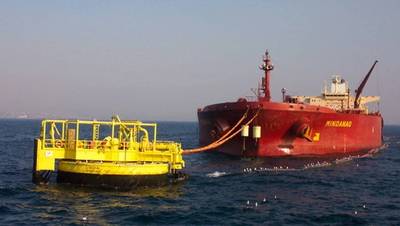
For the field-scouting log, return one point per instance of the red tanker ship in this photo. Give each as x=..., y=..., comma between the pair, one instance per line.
x=334, y=123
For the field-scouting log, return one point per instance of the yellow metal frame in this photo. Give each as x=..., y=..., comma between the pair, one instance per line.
x=128, y=142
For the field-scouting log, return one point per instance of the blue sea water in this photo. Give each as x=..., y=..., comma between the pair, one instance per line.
x=221, y=189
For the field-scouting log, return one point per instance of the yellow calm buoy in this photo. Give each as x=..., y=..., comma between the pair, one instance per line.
x=119, y=154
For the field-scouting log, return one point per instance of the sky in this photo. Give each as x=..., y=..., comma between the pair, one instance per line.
x=162, y=60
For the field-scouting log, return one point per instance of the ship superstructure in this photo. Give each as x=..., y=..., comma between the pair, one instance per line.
x=336, y=96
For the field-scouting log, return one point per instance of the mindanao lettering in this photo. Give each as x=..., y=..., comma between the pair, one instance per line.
x=343, y=124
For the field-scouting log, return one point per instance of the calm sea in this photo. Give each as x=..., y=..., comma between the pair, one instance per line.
x=221, y=189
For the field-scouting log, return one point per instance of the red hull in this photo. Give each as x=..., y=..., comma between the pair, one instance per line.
x=332, y=133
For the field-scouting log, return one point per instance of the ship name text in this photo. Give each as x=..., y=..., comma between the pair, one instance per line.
x=342, y=124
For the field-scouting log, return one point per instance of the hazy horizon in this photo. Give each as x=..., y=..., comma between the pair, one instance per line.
x=161, y=60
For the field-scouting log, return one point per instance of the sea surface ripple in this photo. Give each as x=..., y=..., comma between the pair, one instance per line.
x=362, y=190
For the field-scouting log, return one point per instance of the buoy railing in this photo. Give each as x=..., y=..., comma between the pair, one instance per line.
x=55, y=133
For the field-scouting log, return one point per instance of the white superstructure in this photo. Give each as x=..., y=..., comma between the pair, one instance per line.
x=336, y=95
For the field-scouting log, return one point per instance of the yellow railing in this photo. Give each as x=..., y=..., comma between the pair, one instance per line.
x=56, y=133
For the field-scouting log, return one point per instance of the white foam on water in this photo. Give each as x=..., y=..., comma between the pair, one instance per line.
x=317, y=165
x=345, y=159
x=216, y=174
x=262, y=169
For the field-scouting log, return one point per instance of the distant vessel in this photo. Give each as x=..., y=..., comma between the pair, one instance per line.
x=334, y=123
x=23, y=116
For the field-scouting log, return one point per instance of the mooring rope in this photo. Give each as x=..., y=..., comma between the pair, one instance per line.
x=233, y=128
x=196, y=150
x=226, y=137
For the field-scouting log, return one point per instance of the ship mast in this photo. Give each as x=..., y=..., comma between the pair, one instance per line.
x=267, y=67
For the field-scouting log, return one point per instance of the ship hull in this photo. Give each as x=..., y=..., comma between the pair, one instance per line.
x=283, y=126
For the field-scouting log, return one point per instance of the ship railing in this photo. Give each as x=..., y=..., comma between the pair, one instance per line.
x=251, y=98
